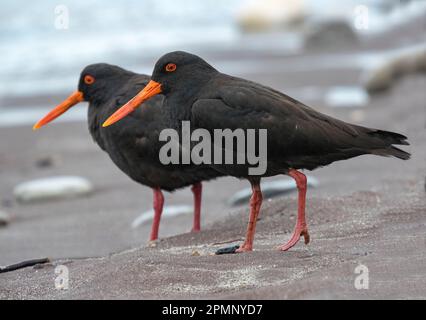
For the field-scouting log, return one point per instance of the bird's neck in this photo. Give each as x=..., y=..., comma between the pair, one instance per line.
x=178, y=108
x=178, y=104
x=94, y=123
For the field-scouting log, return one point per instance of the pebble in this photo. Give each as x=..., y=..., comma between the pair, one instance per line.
x=347, y=97
x=396, y=64
x=270, y=189
x=168, y=212
x=152, y=243
x=379, y=79
x=44, y=162
x=324, y=34
x=52, y=188
x=4, y=219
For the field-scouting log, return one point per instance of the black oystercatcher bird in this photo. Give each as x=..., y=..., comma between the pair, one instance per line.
x=132, y=145
x=298, y=137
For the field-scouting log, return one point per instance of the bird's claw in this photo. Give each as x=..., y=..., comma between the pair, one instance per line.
x=295, y=238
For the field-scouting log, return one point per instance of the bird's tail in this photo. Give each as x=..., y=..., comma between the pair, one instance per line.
x=388, y=139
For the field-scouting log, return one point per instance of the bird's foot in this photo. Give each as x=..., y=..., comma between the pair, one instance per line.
x=195, y=230
x=244, y=248
x=299, y=231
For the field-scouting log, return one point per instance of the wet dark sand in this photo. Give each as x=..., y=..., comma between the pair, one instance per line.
x=367, y=210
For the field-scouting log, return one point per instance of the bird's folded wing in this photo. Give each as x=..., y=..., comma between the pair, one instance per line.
x=290, y=124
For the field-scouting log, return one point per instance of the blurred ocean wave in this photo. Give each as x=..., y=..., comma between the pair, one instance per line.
x=39, y=59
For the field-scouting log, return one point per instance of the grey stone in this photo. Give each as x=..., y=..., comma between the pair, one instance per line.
x=52, y=188
x=346, y=97
x=4, y=218
x=270, y=189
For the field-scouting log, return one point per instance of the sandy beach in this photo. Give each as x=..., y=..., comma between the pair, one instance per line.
x=368, y=210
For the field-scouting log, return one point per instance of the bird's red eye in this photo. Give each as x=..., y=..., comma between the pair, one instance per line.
x=170, y=67
x=88, y=79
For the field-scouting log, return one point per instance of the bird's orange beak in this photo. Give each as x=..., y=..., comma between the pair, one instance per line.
x=151, y=89
x=72, y=100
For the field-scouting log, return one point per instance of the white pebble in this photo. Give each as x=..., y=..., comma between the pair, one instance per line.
x=52, y=188
x=347, y=97
x=168, y=212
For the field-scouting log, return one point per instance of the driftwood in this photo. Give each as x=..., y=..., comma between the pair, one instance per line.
x=23, y=264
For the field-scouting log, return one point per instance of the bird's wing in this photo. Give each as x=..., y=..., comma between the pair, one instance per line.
x=294, y=128
x=297, y=134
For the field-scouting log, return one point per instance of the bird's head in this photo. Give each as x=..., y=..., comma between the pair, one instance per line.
x=176, y=72
x=96, y=82
x=179, y=69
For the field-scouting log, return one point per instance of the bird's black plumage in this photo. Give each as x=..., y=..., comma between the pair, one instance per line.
x=298, y=136
x=133, y=144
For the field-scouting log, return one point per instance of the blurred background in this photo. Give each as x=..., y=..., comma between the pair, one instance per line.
x=361, y=61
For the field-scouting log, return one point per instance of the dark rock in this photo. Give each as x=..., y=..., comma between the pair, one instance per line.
x=44, y=162
x=330, y=34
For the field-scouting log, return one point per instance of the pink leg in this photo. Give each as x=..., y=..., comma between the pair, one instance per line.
x=301, y=228
x=255, y=203
x=196, y=190
x=158, y=209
